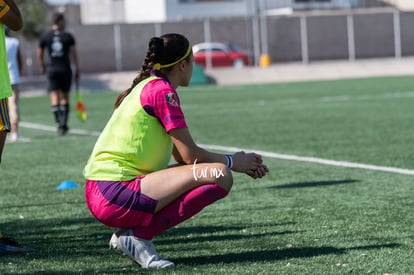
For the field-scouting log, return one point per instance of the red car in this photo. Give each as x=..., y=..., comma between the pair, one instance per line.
x=221, y=55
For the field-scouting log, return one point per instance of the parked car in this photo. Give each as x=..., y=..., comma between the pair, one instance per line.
x=222, y=54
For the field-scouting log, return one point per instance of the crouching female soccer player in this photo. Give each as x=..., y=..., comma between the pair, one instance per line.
x=129, y=184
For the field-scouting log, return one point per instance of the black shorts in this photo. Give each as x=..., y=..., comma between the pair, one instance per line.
x=59, y=80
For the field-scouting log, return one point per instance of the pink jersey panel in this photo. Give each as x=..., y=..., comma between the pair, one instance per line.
x=160, y=99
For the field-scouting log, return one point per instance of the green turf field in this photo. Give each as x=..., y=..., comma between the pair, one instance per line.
x=303, y=218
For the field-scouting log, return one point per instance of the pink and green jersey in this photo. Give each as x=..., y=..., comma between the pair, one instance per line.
x=135, y=140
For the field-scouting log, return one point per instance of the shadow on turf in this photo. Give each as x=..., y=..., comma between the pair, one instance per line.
x=70, y=240
x=274, y=255
x=40, y=204
x=314, y=184
x=197, y=234
x=57, y=237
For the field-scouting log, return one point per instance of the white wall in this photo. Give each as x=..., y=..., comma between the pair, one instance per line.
x=151, y=11
x=139, y=11
x=123, y=11
x=96, y=12
x=404, y=5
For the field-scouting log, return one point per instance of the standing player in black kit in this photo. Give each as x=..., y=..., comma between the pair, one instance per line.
x=61, y=49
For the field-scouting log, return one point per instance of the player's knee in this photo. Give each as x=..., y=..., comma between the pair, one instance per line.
x=224, y=176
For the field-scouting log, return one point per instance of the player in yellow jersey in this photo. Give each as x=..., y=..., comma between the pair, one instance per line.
x=11, y=17
x=129, y=183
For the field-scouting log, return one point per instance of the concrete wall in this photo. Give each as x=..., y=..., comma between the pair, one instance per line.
x=321, y=35
x=374, y=35
x=284, y=39
x=407, y=37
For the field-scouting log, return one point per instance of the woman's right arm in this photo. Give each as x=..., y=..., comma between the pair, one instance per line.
x=186, y=151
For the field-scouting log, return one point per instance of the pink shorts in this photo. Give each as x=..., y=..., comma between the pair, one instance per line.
x=119, y=204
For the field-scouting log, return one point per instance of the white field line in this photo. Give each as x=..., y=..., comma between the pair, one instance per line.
x=48, y=128
x=236, y=149
x=314, y=160
x=323, y=99
x=339, y=98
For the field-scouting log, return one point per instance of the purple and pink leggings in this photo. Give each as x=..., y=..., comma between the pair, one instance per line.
x=121, y=205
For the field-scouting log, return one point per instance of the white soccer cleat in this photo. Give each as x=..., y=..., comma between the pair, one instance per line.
x=140, y=250
x=13, y=137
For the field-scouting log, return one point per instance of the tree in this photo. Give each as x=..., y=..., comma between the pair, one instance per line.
x=35, y=14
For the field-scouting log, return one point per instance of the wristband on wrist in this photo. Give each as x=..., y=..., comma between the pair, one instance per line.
x=4, y=8
x=229, y=161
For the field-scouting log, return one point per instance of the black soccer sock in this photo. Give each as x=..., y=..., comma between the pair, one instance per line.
x=56, y=113
x=64, y=110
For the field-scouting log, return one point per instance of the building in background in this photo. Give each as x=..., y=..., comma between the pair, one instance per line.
x=133, y=11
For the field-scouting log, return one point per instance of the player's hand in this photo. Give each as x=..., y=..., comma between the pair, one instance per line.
x=243, y=162
x=249, y=163
x=260, y=172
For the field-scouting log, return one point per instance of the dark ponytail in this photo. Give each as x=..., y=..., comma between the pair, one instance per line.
x=162, y=50
x=154, y=49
